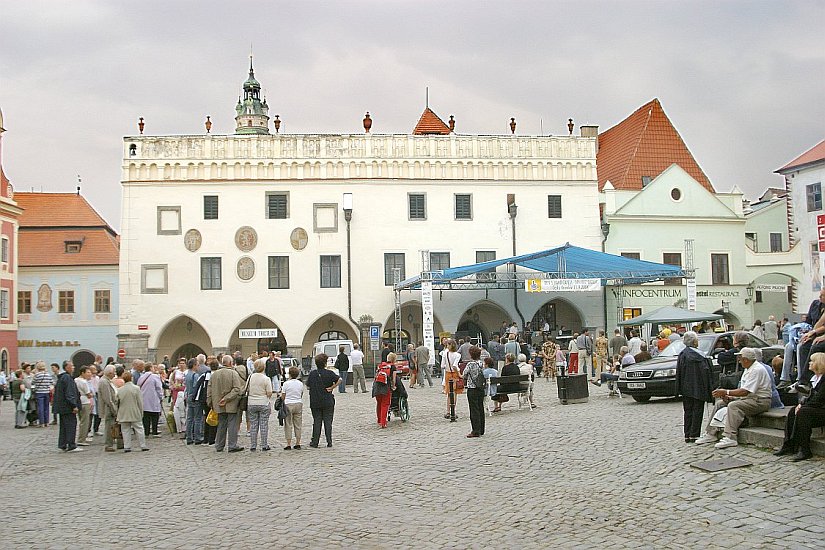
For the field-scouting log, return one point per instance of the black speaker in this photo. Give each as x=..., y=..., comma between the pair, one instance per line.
x=573, y=389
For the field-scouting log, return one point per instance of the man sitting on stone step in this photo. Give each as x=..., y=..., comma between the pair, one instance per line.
x=752, y=397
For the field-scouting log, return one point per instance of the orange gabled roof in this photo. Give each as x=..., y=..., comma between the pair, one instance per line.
x=643, y=144
x=429, y=124
x=57, y=210
x=47, y=247
x=816, y=154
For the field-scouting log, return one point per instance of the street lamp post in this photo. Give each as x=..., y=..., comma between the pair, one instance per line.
x=347, y=205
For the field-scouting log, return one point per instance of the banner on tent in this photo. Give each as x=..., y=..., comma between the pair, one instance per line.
x=562, y=285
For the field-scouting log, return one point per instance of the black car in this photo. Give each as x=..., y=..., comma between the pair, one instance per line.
x=657, y=377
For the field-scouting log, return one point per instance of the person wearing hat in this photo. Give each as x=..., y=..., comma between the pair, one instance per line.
x=752, y=397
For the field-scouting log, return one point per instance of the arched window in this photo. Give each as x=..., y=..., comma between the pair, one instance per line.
x=332, y=335
x=4, y=361
x=132, y=150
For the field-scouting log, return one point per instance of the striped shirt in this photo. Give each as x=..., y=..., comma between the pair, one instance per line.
x=42, y=382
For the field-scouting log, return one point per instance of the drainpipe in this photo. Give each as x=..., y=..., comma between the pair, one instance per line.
x=512, y=209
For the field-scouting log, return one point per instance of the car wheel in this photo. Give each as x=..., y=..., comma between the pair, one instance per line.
x=640, y=398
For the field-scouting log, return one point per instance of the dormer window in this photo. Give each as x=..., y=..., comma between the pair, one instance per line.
x=73, y=247
x=132, y=150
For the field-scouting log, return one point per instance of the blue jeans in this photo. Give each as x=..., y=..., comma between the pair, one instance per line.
x=194, y=423
x=42, y=408
x=342, y=385
x=791, y=351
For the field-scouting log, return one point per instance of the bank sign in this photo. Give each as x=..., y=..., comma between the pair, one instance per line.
x=562, y=285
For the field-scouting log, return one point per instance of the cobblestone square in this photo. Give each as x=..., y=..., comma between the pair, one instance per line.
x=607, y=473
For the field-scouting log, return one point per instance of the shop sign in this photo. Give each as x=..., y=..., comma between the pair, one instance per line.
x=258, y=333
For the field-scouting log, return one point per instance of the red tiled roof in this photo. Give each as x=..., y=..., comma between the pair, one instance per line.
x=57, y=210
x=643, y=144
x=47, y=247
x=430, y=123
x=815, y=154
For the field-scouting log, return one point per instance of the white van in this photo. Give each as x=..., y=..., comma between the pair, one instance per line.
x=330, y=347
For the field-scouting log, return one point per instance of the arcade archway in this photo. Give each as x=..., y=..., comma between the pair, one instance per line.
x=480, y=320
x=325, y=324
x=188, y=351
x=411, y=324
x=255, y=343
x=180, y=334
x=557, y=313
x=83, y=358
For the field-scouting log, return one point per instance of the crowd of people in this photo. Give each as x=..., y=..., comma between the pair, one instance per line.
x=208, y=398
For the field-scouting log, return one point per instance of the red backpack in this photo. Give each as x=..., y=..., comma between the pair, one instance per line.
x=382, y=375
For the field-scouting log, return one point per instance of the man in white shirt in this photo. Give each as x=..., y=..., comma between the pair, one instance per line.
x=752, y=397
x=356, y=359
x=635, y=343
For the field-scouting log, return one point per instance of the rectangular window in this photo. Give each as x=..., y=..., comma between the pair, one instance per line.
x=813, y=193
x=463, y=207
x=776, y=242
x=439, y=261
x=751, y=241
x=554, y=206
x=719, y=269
x=65, y=301
x=758, y=296
x=279, y=272
x=630, y=312
x=24, y=301
x=168, y=220
x=330, y=271
x=486, y=256
x=418, y=206
x=210, y=273
x=103, y=301
x=632, y=255
x=4, y=304
x=394, y=260
x=277, y=206
x=210, y=207
x=154, y=279
x=672, y=258
x=4, y=251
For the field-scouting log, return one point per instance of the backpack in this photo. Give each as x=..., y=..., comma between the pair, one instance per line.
x=200, y=389
x=382, y=375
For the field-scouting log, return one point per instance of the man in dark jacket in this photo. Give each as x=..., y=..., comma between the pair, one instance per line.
x=342, y=364
x=694, y=384
x=66, y=403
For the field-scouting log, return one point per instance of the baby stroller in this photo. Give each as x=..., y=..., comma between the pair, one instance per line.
x=399, y=407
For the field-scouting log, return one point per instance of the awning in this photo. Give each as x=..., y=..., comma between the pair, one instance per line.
x=671, y=314
x=563, y=262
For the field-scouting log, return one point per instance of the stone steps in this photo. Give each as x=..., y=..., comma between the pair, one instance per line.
x=767, y=430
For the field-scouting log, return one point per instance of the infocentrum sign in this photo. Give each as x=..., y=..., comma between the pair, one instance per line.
x=562, y=285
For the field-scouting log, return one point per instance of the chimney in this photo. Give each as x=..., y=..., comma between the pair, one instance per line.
x=590, y=131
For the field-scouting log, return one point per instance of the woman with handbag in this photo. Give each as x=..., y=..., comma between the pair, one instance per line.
x=449, y=366
x=257, y=409
x=292, y=396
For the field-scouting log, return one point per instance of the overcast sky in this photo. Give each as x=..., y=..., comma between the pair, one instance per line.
x=743, y=82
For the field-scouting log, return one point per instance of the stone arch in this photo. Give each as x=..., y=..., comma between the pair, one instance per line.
x=483, y=316
x=178, y=332
x=259, y=345
x=327, y=322
x=83, y=358
x=558, y=312
x=731, y=319
x=414, y=328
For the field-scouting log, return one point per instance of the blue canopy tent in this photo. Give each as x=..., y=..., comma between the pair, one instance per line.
x=564, y=262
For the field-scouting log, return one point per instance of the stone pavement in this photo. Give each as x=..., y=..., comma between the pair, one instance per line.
x=609, y=472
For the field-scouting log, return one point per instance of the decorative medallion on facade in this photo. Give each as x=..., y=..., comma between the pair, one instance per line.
x=246, y=239
x=299, y=238
x=246, y=268
x=44, y=298
x=192, y=240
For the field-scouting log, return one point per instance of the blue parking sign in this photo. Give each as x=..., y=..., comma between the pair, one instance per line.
x=374, y=332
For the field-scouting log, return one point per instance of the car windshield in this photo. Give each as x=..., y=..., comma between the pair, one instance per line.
x=675, y=348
